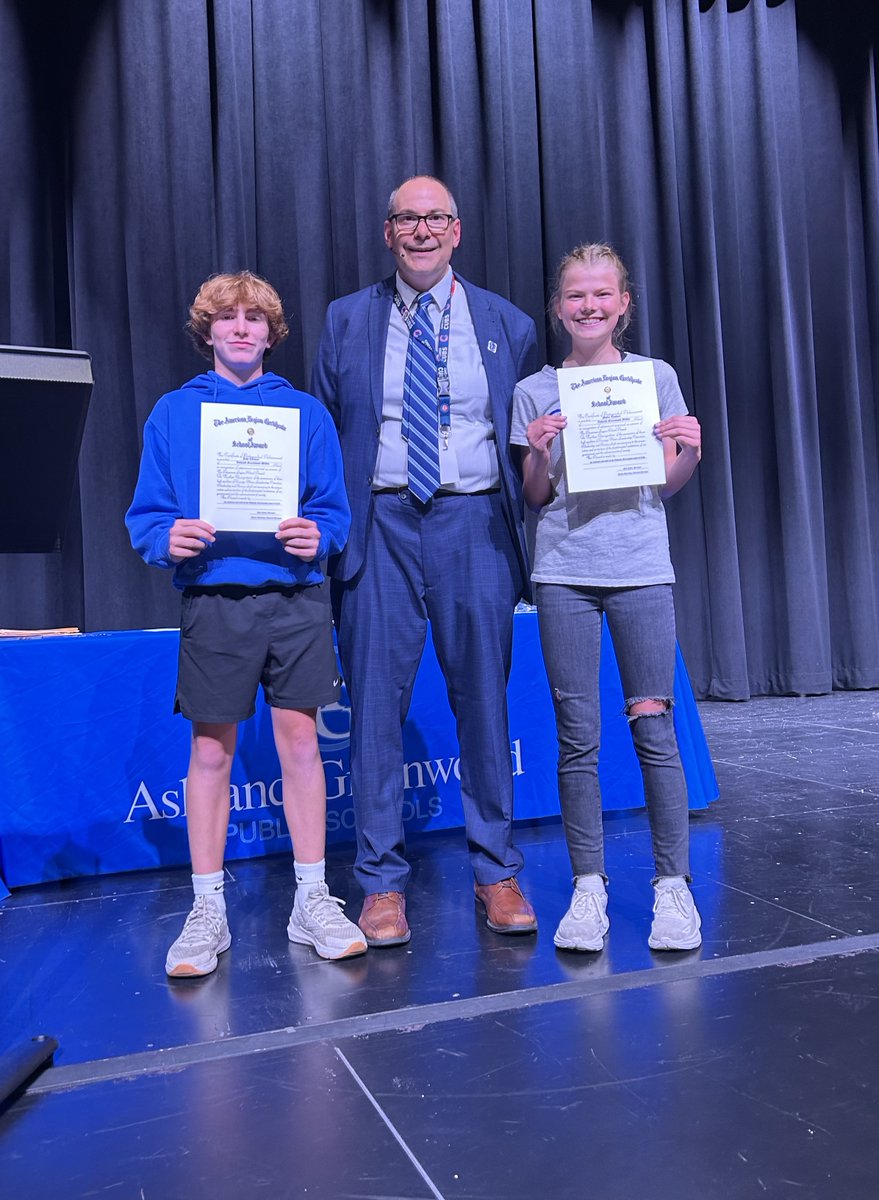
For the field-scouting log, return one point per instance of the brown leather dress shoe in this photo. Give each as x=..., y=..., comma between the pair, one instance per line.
x=383, y=919
x=506, y=909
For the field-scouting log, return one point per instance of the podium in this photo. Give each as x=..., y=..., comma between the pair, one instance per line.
x=44, y=398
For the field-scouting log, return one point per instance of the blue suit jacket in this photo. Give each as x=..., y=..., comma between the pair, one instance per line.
x=349, y=378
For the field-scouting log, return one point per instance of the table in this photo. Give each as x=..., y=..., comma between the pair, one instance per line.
x=93, y=762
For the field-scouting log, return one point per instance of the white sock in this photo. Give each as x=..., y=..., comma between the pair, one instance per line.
x=211, y=885
x=589, y=883
x=308, y=874
x=665, y=881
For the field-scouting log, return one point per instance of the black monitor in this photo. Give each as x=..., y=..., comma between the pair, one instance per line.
x=44, y=397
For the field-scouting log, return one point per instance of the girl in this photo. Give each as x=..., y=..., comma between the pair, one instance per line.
x=607, y=553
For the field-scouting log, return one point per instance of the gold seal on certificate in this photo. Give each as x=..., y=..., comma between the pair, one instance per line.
x=609, y=440
x=249, y=467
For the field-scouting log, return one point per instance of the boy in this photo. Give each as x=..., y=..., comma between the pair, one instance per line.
x=255, y=610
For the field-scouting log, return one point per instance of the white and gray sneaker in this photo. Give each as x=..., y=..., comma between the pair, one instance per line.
x=205, y=935
x=676, y=921
x=317, y=920
x=585, y=923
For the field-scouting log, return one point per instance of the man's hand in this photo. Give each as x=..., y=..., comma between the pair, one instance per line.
x=188, y=537
x=299, y=536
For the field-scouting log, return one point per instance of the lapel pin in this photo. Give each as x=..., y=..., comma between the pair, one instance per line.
x=492, y=346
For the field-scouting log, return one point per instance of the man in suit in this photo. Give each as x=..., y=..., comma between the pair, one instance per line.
x=418, y=372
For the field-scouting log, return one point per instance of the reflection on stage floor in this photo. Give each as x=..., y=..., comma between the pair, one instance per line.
x=471, y=1065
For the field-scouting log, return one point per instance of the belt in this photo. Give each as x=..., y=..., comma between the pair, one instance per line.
x=238, y=591
x=398, y=491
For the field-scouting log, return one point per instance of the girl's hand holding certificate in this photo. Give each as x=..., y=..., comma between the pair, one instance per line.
x=683, y=429
x=543, y=430
x=682, y=448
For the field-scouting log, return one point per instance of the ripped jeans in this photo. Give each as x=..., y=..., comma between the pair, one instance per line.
x=642, y=624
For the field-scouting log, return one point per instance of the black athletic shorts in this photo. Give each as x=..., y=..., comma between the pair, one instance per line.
x=234, y=638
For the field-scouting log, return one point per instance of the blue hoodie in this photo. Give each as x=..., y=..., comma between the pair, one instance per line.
x=168, y=487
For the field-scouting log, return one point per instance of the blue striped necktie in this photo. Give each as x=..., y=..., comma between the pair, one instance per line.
x=420, y=421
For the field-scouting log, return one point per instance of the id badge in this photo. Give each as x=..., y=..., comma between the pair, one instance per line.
x=448, y=464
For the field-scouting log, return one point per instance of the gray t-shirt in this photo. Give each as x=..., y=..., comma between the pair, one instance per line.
x=617, y=538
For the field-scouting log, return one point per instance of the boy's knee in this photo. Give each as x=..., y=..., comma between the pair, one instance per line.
x=210, y=753
x=296, y=739
x=302, y=747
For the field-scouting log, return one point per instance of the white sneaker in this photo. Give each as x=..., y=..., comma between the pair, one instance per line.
x=676, y=921
x=205, y=935
x=317, y=920
x=585, y=923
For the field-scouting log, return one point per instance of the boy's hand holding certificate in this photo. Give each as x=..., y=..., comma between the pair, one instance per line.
x=609, y=441
x=249, y=471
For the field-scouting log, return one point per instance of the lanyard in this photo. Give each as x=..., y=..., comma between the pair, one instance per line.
x=443, y=391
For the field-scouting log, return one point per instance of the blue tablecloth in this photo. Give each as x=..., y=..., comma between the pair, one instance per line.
x=92, y=761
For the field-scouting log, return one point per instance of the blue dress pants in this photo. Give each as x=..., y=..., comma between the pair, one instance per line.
x=451, y=562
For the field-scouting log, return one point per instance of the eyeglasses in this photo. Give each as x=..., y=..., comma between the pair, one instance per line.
x=436, y=222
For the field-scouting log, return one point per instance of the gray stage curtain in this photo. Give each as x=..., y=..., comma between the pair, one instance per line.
x=729, y=151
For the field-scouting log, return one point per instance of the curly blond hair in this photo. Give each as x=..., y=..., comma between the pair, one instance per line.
x=221, y=292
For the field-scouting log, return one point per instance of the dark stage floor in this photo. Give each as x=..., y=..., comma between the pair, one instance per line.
x=469, y=1065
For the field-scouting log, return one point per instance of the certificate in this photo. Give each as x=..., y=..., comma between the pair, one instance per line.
x=609, y=440
x=249, y=467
